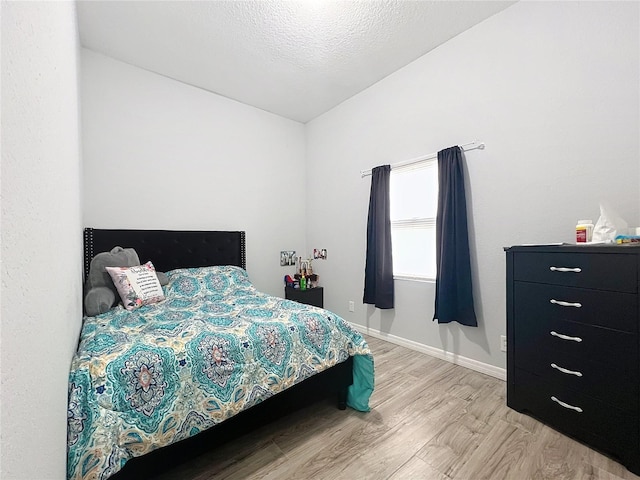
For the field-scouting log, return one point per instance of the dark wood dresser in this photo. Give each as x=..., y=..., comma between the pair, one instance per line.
x=572, y=342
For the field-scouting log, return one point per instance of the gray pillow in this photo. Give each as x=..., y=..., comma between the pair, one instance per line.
x=99, y=300
x=101, y=293
x=162, y=277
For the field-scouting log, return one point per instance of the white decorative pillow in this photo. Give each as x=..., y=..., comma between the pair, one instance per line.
x=137, y=285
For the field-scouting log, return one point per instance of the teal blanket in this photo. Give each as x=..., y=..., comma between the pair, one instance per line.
x=214, y=347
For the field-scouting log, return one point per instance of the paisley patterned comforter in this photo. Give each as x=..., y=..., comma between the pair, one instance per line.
x=215, y=346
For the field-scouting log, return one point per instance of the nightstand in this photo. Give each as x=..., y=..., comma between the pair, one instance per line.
x=310, y=296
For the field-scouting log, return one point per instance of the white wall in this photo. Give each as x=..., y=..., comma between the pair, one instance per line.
x=161, y=154
x=552, y=88
x=41, y=234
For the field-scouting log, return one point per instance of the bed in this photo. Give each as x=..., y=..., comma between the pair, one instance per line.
x=213, y=351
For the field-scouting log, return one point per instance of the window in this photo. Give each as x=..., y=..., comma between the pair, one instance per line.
x=413, y=194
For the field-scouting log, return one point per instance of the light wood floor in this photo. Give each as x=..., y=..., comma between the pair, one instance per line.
x=429, y=419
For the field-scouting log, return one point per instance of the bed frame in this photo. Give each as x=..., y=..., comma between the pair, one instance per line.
x=171, y=249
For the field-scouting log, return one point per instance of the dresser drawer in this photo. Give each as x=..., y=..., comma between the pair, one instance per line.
x=602, y=271
x=580, y=341
x=600, y=423
x=613, y=382
x=534, y=301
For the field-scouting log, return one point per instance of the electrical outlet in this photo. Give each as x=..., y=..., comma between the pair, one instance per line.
x=503, y=343
x=352, y=306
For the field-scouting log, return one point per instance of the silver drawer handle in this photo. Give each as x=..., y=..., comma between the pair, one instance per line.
x=565, y=304
x=565, y=337
x=568, y=372
x=566, y=405
x=565, y=269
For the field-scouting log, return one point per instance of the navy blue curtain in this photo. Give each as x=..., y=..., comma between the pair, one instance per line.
x=378, y=273
x=454, y=291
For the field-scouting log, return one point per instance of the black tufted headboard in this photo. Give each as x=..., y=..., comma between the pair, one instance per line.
x=170, y=249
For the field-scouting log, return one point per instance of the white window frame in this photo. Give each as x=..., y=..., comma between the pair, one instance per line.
x=415, y=222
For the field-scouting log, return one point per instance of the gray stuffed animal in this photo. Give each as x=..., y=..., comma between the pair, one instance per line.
x=101, y=294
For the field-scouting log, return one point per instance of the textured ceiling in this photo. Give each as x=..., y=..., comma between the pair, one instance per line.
x=296, y=59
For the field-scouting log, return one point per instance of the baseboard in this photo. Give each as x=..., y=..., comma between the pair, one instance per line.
x=497, y=372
